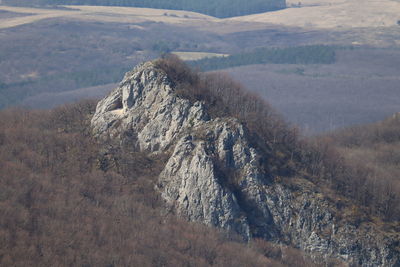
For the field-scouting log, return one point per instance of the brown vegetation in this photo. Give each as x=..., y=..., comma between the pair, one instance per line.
x=64, y=201
x=373, y=152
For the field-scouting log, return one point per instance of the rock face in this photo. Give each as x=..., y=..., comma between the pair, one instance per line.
x=213, y=174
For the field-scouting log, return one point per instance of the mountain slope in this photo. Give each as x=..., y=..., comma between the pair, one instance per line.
x=232, y=163
x=64, y=202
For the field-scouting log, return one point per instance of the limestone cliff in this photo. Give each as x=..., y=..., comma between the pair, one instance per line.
x=213, y=174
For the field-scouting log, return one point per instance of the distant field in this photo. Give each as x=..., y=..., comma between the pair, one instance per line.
x=332, y=14
x=50, y=56
x=323, y=14
x=100, y=13
x=197, y=55
x=220, y=8
x=361, y=87
x=63, y=54
x=348, y=21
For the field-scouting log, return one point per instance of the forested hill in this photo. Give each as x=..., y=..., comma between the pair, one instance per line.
x=219, y=8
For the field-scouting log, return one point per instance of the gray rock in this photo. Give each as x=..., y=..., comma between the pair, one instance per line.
x=213, y=174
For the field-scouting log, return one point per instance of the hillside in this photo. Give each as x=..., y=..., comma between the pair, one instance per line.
x=232, y=163
x=174, y=166
x=63, y=53
x=64, y=201
x=69, y=198
x=220, y=8
x=375, y=150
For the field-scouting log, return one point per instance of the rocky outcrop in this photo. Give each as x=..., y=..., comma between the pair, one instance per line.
x=213, y=174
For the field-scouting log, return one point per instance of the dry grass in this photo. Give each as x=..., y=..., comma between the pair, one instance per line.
x=129, y=11
x=339, y=15
x=328, y=14
x=197, y=55
x=35, y=14
x=103, y=14
x=13, y=22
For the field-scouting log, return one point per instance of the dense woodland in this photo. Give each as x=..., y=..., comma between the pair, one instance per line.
x=313, y=54
x=219, y=8
x=375, y=150
x=65, y=201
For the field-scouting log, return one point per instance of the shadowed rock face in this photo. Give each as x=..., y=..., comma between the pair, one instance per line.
x=213, y=174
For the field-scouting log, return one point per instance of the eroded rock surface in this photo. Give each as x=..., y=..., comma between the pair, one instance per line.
x=213, y=174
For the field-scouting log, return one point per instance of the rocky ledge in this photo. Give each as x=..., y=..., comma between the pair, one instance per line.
x=213, y=174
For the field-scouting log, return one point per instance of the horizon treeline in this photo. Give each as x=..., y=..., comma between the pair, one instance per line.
x=219, y=8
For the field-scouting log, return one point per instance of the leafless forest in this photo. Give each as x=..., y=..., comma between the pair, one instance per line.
x=64, y=202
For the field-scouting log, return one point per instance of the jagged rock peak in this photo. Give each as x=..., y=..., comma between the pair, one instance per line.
x=144, y=104
x=215, y=176
x=193, y=183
